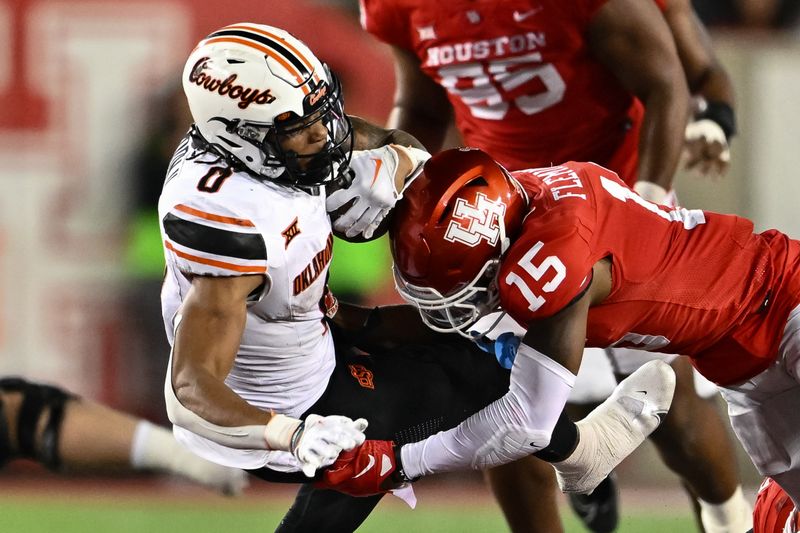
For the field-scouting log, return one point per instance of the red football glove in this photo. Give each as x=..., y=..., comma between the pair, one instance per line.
x=362, y=471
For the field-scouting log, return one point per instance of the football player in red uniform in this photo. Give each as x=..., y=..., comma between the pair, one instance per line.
x=541, y=82
x=581, y=260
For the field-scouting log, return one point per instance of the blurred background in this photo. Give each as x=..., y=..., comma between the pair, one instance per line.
x=91, y=110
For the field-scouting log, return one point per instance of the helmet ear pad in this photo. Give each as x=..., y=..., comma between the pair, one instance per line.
x=241, y=78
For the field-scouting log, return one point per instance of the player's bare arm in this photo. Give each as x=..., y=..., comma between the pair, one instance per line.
x=707, y=138
x=704, y=73
x=632, y=39
x=563, y=335
x=420, y=106
x=368, y=135
x=206, y=342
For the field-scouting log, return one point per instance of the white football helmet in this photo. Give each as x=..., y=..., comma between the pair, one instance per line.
x=248, y=85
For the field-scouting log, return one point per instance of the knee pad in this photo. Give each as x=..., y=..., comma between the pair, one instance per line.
x=37, y=401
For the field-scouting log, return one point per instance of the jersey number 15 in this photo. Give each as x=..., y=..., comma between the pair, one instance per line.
x=551, y=262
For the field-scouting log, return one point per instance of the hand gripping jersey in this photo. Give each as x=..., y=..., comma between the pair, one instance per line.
x=688, y=282
x=522, y=81
x=219, y=222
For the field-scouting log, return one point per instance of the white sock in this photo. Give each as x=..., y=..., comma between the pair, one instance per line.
x=732, y=516
x=154, y=448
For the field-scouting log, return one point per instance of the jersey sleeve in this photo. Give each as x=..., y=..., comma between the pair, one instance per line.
x=388, y=21
x=204, y=238
x=546, y=269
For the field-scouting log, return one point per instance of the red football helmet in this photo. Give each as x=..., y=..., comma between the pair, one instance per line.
x=448, y=233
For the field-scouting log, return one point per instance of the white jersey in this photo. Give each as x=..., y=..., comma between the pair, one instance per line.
x=219, y=222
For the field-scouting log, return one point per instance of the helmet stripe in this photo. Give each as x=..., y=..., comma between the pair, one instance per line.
x=300, y=80
x=275, y=37
x=299, y=65
x=266, y=51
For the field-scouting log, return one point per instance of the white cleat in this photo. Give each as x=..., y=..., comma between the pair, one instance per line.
x=617, y=427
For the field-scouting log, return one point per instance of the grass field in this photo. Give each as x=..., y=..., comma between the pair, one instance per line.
x=46, y=516
x=154, y=506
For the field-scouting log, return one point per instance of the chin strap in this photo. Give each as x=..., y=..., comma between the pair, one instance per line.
x=505, y=242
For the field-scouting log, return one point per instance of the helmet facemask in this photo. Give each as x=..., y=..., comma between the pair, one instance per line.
x=330, y=163
x=459, y=310
x=327, y=165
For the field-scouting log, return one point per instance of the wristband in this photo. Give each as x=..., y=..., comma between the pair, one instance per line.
x=722, y=114
x=281, y=432
x=399, y=476
x=296, y=436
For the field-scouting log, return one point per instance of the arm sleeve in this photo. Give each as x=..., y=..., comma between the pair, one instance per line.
x=518, y=424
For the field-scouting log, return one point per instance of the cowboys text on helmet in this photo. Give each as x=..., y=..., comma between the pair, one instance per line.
x=228, y=86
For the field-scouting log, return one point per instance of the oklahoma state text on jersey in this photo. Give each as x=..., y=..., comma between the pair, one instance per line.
x=684, y=281
x=522, y=81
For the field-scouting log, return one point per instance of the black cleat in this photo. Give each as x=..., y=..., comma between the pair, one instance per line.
x=599, y=511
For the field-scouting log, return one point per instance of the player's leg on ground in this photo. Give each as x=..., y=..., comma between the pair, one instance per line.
x=693, y=442
x=96, y=437
x=64, y=432
x=526, y=492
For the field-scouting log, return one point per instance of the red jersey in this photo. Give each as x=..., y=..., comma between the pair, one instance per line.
x=522, y=81
x=684, y=281
x=772, y=509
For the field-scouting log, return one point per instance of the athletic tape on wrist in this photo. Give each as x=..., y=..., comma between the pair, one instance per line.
x=283, y=432
x=721, y=113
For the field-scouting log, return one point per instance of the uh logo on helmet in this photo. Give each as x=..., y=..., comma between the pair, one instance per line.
x=248, y=85
x=448, y=234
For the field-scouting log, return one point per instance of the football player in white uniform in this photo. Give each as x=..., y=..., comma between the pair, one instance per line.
x=246, y=243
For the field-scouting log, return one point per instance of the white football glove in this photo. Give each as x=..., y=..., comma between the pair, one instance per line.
x=706, y=151
x=317, y=441
x=652, y=192
x=374, y=188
